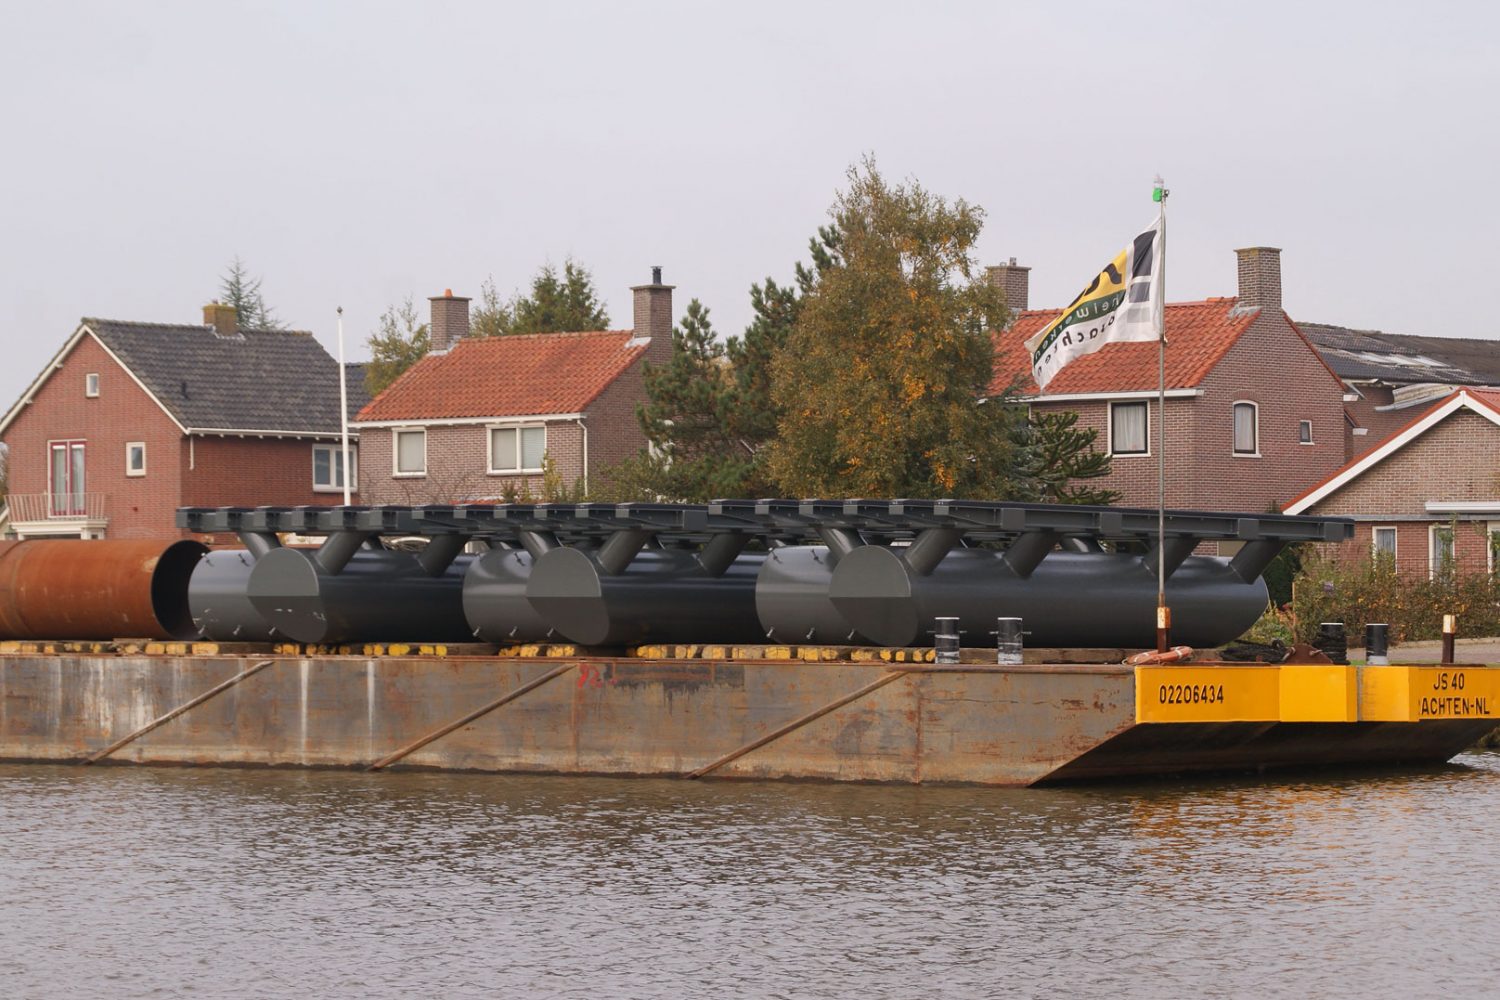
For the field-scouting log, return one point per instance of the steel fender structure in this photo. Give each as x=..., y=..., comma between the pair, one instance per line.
x=379, y=595
x=494, y=598
x=1070, y=599
x=662, y=595
x=791, y=598
x=73, y=589
x=218, y=595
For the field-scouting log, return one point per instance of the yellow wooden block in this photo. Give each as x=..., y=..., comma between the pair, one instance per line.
x=1412, y=694
x=1208, y=694
x=156, y=648
x=715, y=652
x=748, y=653
x=1319, y=693
x=10, y=647
x=778, y=652
x=562, y=650
x=205, y=649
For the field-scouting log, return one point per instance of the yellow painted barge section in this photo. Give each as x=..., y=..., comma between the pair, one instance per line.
x=719, y=717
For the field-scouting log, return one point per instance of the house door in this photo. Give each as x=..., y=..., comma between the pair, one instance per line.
x=65, y=480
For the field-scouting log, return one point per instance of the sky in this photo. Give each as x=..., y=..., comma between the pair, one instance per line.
x=354, y=154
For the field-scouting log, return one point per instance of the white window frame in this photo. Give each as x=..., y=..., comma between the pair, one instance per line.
x=1375, y=531
x=335, y=462
x=1308, y=424
x=396, y=433
x=1111, y=430
x=133, y=473
x=489, y=448
x=1254, y=427
x=91, y=385
x=1432, y=560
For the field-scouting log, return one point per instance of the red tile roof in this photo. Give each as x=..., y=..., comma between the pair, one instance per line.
x=1198, y=335
x=518, y=376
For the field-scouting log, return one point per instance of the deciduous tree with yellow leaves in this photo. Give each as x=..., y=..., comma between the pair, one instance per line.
x=881, y=384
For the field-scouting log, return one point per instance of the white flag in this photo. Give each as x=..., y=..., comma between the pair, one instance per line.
x=1124, y=302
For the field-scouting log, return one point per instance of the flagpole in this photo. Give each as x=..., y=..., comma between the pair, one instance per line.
x=1163, y=613
x=343, y=408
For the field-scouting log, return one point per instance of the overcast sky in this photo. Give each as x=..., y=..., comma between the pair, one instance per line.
x=356, y=153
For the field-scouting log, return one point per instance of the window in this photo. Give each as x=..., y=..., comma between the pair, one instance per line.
x=1129, y=428
x=65, y=479
x=1493, y=534
x=411, y=452
x=1440, y=549
x=1383, y=543
x=328, y=468
x=1304, y=432
x=517, y=449
x=91, y=384
x=1246, y=433
x=135, y=458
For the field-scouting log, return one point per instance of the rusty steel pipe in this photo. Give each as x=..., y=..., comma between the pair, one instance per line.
x=75, y=589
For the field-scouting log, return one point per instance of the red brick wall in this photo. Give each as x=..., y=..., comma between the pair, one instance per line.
x=137, y=507
x=1270, y=366
x=249, y=472
x=1458, y=460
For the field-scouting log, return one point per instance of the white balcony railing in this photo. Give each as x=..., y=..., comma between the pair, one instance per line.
x=57, y=506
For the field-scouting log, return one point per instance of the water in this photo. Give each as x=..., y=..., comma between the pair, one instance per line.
x=133, y=882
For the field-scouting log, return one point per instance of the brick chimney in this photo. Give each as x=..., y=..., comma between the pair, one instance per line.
x=653, y=317
x=222, y=318
x=450, y=321
x=1014, y=281
x=1260, y=277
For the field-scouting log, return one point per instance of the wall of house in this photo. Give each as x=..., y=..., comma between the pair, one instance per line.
x=1270, y=366
x=249, y=472
x=1458, y=460
x=457, y=464
x=614, y=432
x=136, y=506
x=1378, y=425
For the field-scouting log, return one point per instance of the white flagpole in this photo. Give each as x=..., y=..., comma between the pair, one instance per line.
x=344, y=406
x=1163, y=613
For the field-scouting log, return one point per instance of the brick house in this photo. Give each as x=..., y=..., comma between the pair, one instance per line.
x=1427, y=497
x=1253, y=414
x=129, y=421
x=477, y=416
x=1389, y=377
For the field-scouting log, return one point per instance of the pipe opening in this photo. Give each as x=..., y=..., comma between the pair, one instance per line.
x=169, y=588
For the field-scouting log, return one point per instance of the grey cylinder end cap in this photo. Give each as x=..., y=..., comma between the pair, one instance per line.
x=564, y=589
x=283, y=573
x=871, y=588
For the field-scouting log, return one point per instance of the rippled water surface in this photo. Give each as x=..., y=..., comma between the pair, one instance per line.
x=128, y=882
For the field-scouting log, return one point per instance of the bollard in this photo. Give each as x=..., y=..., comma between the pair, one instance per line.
x=1333, y=641
x=945, y=641
x=1163, y=627
x=1376, y=645
x=1008, y=644
x=1450, y=635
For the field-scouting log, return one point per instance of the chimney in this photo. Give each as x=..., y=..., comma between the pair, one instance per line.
x=450, y=321
x=1014, y=281
x=653, y=317
x=1260, y=277
x=222, y=318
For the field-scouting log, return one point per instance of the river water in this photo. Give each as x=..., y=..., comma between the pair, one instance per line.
x=134, y=882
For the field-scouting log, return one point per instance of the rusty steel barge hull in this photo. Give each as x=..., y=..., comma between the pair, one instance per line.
x=749, y=719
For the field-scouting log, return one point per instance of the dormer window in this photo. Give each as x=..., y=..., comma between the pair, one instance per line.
x=91, y=385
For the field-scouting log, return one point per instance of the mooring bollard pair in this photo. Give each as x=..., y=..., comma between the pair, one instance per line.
x=947, y=641
x=1334, y=643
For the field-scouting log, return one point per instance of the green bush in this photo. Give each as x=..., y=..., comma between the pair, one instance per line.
x=1357, y=593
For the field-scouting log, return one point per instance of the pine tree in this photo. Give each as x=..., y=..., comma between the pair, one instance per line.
x=1053, y=453
x=557, y=303
x=878, y=382
x=239, y=289
x=400, y=342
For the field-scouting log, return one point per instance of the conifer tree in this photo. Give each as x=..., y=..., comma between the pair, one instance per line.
x=557, y=303
x=239, y=289
x=399, y=342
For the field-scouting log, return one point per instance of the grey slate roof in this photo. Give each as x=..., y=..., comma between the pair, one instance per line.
x=255, y=380
x=1401, y=359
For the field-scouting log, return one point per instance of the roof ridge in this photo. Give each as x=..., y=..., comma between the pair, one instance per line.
x=537, y=336
x=195, y=327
